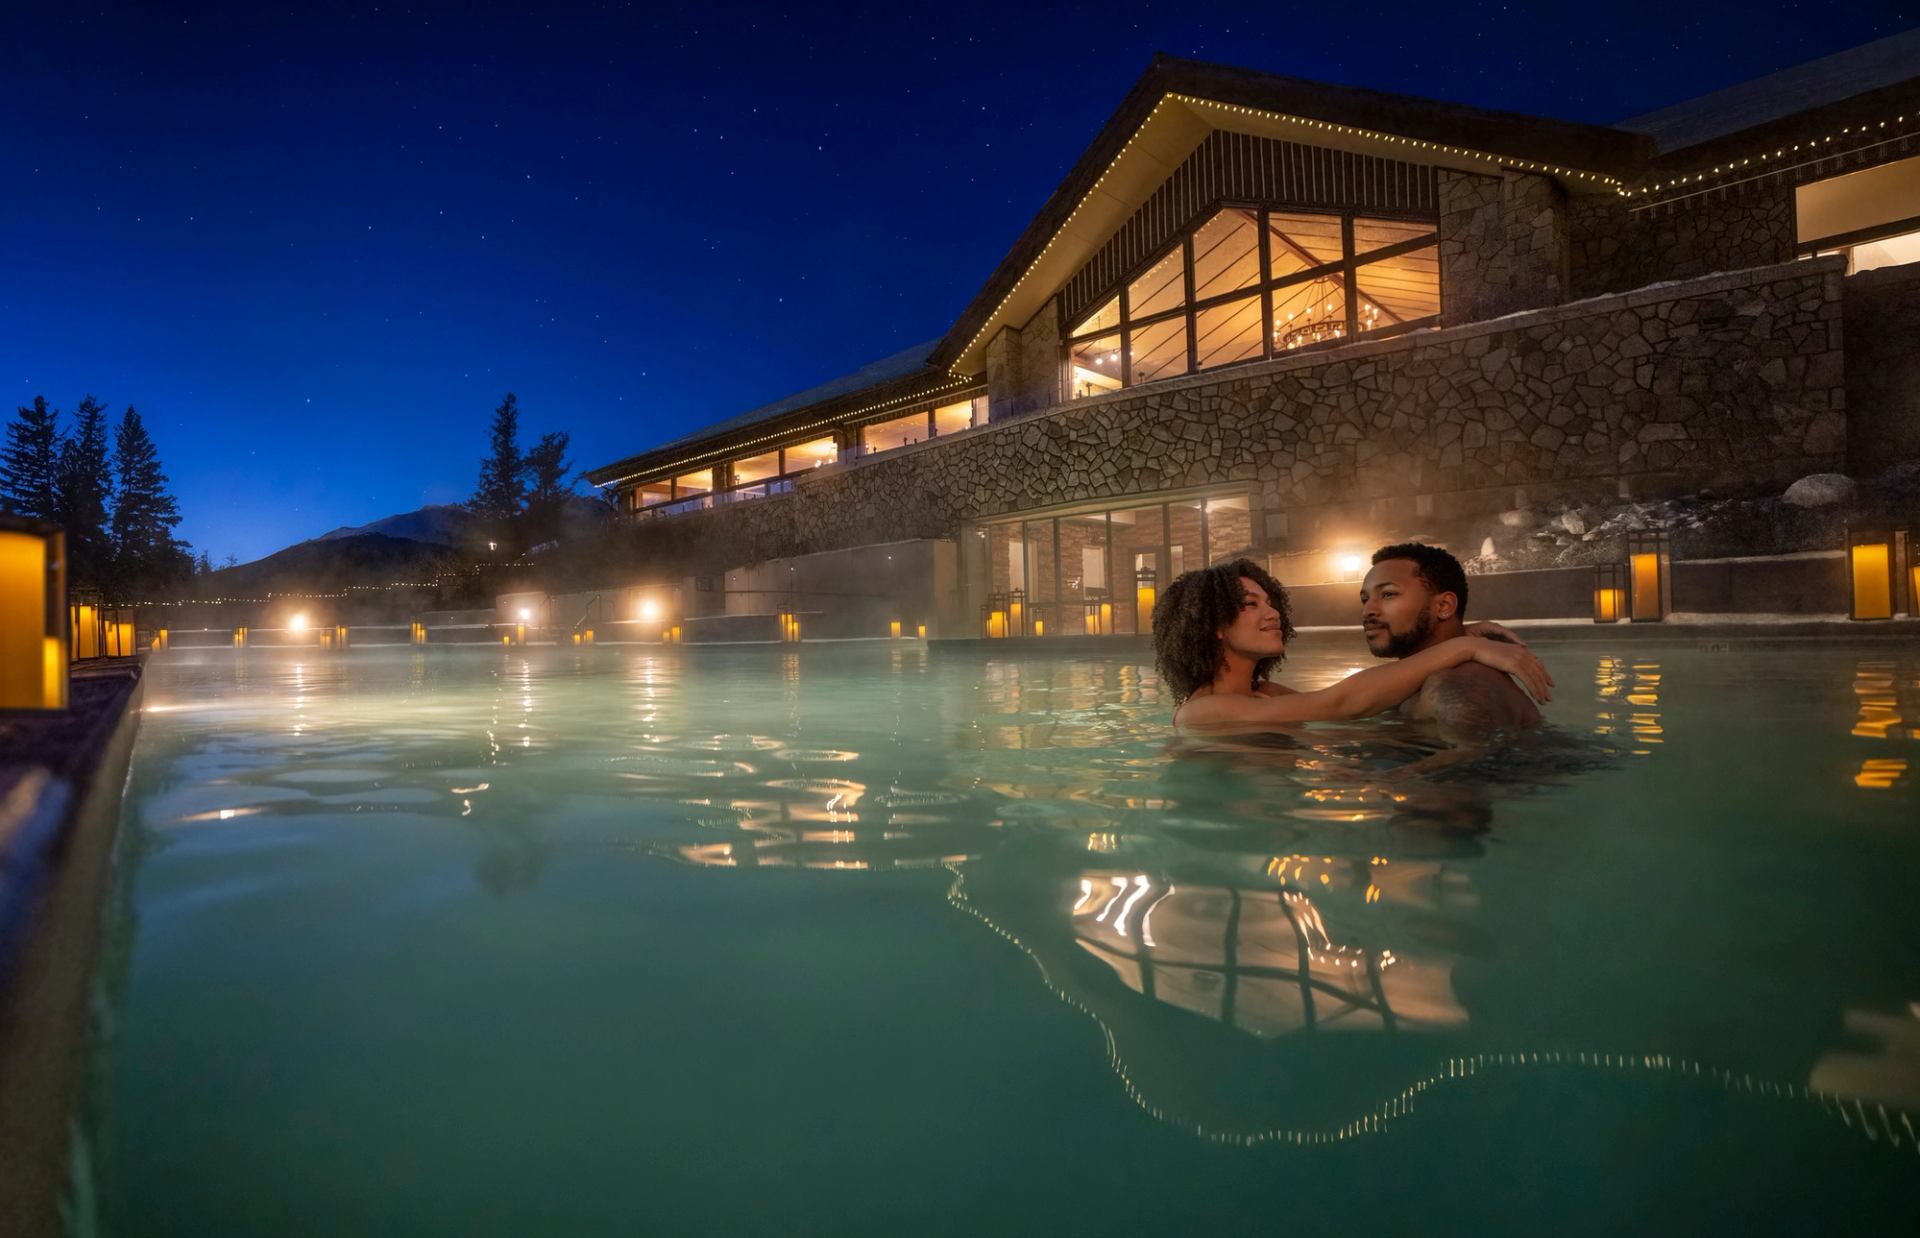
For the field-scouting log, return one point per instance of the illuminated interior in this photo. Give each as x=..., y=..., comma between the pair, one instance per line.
x=1315, y=278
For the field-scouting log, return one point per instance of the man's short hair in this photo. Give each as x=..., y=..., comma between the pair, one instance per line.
x=1440, y=570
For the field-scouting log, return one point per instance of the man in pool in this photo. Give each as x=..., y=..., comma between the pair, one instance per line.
x=1219, y=632
x=1415, y=599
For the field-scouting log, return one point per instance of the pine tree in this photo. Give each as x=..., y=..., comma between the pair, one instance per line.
x=85, y=489
x=143, y=512
x=30, y=462
x=550, y=488
x=203, y=566
x=503, y=485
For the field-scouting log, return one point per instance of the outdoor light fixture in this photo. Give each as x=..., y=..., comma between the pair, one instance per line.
x=86, y=634
x=240, y=638
x=1039, y=626
x=649, y=610
x=1350, y=566
x=920, y=630
x=1609, y=592
x=419, y=633
x=1016, y=612
x=1650, y=565
x=993, y=616
x=526, y=616
x=33, y=614
x=789, y=626
x=1144, y=593
x=298, y=623
x=1875, y=556
x=340, y=636
x=117, y=626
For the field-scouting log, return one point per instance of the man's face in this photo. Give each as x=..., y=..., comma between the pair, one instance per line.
x=1396, y=608
x=1255, y=632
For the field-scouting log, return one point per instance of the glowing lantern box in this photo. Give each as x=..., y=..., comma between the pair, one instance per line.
x=993, y=616
x=1609, y=592
x=1017, y=612
x=1650, y=577
x=117, y=626
x=1144, y=592
x=1878, y=572
x=33, y=615
x=86, y=625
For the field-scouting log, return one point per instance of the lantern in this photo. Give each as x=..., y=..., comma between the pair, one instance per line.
x=33, y=615
x=86, y=625
x=1144, y=593
x=893, y=629
x=993, y=616
x=920, y=630
x=1650, y=568
x=1016, y=612
x=1609, y=592
x=1876, y=557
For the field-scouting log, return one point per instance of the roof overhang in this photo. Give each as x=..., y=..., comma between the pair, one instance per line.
x=1177, y=104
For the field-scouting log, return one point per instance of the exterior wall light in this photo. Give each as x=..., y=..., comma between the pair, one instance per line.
x=33, y=615
x=1876, y=582
x=1609, y=592
x=1650, y=566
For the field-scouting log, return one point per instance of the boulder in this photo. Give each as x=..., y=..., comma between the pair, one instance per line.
x=1820, y=490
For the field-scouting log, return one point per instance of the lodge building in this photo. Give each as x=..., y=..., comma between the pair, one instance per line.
x=1273, y=316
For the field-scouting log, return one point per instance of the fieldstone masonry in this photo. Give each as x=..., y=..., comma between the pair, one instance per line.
x=1023, y=366
x=1614, y=247
x=1734, y=382
x=1883, y=368
x=1503, y=244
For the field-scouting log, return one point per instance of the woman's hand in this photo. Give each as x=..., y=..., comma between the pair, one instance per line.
x=1518, y=661
x=1490, y=630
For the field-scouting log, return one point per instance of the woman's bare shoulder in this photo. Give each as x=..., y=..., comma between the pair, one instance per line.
x=1275, y=689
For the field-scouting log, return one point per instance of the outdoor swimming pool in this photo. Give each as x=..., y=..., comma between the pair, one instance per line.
x=868, y=939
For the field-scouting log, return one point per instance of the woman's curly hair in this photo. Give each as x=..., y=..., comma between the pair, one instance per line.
x=1189, y=615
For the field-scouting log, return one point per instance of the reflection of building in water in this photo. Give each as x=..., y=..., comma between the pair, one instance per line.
x=1629, y=702
x=1889, y=697
x=1259, y=959
x=838, y=824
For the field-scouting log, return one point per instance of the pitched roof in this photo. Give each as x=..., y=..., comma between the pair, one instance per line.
x=1802, y=88
x=898, y=369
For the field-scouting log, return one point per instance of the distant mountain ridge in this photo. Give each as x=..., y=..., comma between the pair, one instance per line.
x=439, y=524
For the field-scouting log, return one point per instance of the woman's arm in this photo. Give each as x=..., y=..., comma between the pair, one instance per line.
x=1375, y=689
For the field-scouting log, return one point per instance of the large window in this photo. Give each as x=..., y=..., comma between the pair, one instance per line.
x=1087, y=573
x=1251, y=282
x=922, y=424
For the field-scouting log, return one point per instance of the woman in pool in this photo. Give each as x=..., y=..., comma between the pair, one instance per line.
x=1220, y=631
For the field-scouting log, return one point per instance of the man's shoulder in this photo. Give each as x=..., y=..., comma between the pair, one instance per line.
x=1476, y=698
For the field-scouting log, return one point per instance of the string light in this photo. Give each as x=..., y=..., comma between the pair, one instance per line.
x=1809, y=146
x=719, y=453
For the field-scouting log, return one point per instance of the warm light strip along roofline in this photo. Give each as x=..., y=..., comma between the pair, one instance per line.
x=1810, y=146
x=1237, y=109
x=836, y=420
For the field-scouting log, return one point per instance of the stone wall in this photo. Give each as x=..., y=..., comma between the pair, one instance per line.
x=1615, y=248
x=1023, y=366
x=1883, y=368
x=1503, y=244
x=1733, y=382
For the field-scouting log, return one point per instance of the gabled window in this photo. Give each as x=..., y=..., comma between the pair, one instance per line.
x=1253, y=282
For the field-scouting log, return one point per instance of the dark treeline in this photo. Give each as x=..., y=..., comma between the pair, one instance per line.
x=522, y=495
x=112, y=499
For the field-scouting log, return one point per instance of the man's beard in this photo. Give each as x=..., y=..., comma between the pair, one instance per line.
x=1400, y=644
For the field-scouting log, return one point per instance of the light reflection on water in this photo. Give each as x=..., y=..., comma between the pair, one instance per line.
x=1303, y=939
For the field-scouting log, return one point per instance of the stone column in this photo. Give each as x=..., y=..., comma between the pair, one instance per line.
x=1503, y=244
x=1024, y=365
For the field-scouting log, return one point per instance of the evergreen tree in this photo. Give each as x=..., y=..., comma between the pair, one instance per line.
x=203, y=566
x=503, y=485
x=143, y=512
x=549, y=488
x=84, y=492
x=30, y=462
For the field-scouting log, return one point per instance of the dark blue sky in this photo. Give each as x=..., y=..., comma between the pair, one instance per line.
x=314, y=244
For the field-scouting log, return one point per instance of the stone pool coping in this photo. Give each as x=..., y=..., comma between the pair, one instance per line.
x=61, y=780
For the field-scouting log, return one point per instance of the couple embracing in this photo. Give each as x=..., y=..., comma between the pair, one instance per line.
x=1221, y=631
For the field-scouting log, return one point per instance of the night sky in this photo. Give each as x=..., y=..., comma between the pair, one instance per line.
x=314, y=244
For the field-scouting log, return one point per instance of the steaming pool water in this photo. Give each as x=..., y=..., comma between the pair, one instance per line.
x=872, y=939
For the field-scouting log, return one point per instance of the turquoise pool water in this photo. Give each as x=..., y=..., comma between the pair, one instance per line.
x=863, y=939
